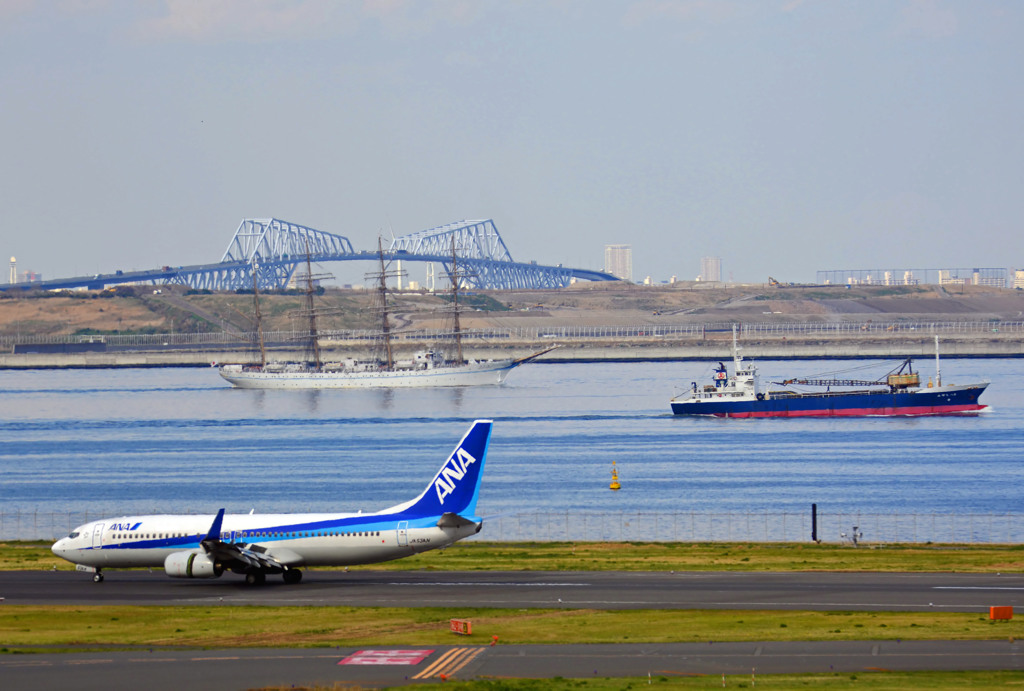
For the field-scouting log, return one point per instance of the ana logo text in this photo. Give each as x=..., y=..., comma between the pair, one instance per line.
x=453, y=470
x=124, y=527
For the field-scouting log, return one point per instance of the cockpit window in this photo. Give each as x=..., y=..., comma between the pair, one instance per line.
x=74, y=534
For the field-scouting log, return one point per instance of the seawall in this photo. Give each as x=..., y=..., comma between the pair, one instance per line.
x=570, y=350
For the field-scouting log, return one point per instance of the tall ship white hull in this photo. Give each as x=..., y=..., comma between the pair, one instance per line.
x=483, y=373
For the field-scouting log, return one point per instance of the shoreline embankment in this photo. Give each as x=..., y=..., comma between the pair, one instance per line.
x=636, y=349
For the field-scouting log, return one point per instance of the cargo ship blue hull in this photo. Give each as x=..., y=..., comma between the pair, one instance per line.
x=946, y=400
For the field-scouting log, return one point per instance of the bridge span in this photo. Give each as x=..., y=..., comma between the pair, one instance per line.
x=272, y=250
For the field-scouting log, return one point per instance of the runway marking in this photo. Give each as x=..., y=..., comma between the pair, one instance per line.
x=500, y=585
x=974, y=587
x=386, y=657
x=450, y=662
x=214, y=659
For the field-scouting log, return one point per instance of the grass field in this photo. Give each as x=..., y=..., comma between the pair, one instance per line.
x=872, y=681
x=30, y=626
x=659, y=556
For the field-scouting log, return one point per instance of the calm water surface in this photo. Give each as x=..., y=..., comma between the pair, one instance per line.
x=123, y=441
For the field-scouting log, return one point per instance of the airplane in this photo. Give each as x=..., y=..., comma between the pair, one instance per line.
x=198, y=546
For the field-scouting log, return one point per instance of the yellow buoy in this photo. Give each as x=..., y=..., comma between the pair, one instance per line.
x=615, y=478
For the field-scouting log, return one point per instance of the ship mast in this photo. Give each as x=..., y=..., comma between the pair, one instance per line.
x=382, y=291
x=737, y=359
x=314, y=340
x=456, y=324
x=259, y=315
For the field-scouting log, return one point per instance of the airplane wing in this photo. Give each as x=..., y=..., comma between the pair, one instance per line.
x=239, y=557
x=242, y=556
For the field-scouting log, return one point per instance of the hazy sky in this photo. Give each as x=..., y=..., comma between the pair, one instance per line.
x=785, y=136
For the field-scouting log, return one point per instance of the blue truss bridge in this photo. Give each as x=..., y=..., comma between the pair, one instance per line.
x=272, y=250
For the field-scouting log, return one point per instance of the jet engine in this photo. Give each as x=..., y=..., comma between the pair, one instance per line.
x=192, y=564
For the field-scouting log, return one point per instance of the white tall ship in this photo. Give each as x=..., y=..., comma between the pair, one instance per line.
x=426, y=368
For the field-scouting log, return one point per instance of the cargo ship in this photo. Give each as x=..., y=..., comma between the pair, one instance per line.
x=898, y=393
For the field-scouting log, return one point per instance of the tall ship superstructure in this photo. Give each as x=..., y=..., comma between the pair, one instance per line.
x=432, y=367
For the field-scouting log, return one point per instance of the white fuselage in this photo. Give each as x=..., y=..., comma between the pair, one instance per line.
x=293, y=539
x=197, y=546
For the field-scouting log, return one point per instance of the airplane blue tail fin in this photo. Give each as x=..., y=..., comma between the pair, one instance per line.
x=456, y=485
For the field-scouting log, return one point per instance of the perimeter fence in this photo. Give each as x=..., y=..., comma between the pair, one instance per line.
x=695, y=331
x=681, y=526
x=756, y=527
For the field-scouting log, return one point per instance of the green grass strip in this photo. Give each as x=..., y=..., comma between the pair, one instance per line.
x=655, y=556
x=31, y=626
x=872, y=681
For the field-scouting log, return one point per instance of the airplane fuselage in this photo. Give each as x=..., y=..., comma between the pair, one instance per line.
x=294, y=539
x=197, y=546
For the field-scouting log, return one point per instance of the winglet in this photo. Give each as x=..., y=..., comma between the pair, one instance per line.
x=214, y=533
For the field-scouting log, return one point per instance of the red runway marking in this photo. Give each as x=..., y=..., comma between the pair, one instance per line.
x=386, y=657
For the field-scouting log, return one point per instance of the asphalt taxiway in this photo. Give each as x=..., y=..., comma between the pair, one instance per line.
x=248, y=668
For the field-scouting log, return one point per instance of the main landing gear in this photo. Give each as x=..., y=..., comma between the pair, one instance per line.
x=97, y=577
x=255, y=578
x=259, y=577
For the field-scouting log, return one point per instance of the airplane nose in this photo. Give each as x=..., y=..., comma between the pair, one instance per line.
x=58, y=547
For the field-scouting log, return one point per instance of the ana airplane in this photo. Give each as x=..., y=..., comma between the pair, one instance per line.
x=196, y=546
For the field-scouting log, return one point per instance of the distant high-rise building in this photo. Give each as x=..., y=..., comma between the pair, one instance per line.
x=980, y=279
x=1018, y=279
x=711, y=269
x=618, y=261
x=14, y=271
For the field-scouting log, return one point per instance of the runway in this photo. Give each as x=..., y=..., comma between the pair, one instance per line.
x=956, y=592
x=173, y=669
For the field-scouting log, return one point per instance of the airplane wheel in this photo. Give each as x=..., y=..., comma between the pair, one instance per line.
x=292, y=576
x=97, y=577
x=255, y=578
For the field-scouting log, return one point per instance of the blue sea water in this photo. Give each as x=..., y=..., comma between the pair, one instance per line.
x=110, y=442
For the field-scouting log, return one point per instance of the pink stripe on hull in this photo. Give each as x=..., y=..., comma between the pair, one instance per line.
x=862, y=412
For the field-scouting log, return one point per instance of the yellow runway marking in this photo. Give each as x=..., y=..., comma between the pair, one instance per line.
x=450, y=662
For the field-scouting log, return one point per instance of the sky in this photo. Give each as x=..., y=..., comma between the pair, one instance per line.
x=784, y=136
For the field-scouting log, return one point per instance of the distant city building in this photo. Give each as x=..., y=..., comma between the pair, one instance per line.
x=997, y=281
x=710, y=269
x=1018, y=279
x=946, y=278
x=991, y=277
x=618, y=261
x=13, y=276
x=300, y=281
